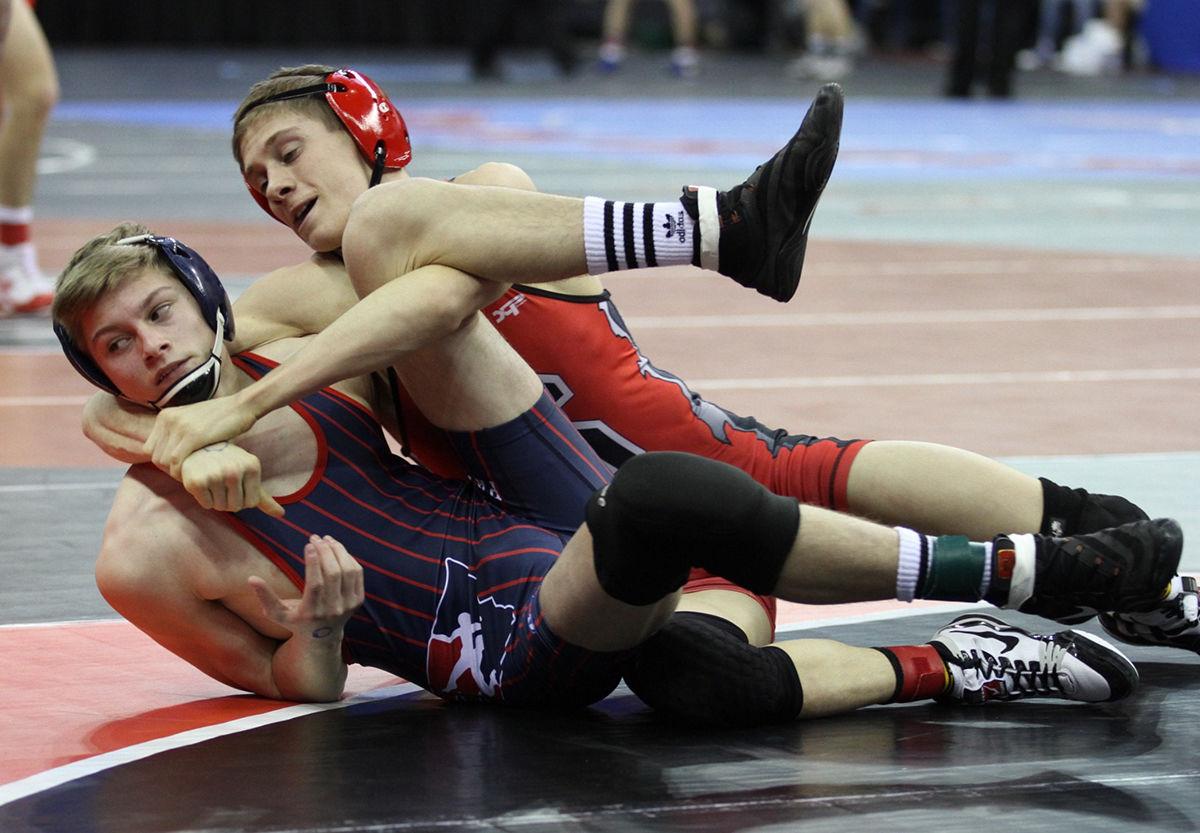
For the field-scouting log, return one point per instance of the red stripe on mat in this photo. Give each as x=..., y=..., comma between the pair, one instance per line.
x=80, y=689
x=75, y=690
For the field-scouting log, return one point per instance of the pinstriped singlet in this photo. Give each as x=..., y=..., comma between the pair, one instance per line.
x=408, y=528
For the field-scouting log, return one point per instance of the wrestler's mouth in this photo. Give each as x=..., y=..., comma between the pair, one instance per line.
x=298, y=220
x=171, y=373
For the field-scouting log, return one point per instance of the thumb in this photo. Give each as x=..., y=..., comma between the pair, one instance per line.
x=269, y=505
x=272, y=605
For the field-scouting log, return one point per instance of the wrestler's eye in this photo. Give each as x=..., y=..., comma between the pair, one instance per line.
x=290, y=154
x=117, y=344
x=161, y=312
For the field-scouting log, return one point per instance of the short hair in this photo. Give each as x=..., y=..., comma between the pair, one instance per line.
x=284, y=80
x=98, y=266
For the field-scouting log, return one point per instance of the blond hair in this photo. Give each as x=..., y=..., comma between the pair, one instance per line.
x=96, y=267
x=282, y=80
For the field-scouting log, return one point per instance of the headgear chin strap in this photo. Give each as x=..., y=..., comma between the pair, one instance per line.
x=202, y=282
x=201, y=383
x=368, y=116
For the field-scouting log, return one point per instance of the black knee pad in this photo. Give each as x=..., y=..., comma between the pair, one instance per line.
x=699, y=669
x=665, y=512
x=1069, y=511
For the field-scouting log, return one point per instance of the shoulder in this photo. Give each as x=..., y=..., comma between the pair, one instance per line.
x=293, y=301
x=497, y=173
x=152, y=524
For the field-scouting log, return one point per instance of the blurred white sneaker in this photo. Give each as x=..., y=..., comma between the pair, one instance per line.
x=685, y=62
x=23, y=287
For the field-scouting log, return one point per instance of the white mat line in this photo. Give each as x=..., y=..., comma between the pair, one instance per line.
x=58, y=487
x=1041, y=377
x=1045, y=377
x=922, y=317
x=98, y=763
x=42, y=401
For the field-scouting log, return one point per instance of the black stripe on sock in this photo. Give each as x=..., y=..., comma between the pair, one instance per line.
x=630, y=252
x=648, y=232
x=925, y=556
x=610, y=249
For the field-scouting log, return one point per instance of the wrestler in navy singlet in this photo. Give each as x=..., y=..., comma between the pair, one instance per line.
x=623, y=405
x=451, y=575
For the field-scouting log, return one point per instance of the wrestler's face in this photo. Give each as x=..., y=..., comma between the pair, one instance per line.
x=146, y=334
x=309, y=174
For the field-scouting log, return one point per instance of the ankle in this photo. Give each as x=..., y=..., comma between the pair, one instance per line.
x=921, y=672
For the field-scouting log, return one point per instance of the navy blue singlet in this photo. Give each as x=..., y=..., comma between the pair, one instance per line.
x=451, y=575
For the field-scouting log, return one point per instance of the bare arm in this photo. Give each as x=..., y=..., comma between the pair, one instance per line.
x=400, y=317
x=153, y=544
x=119, y=428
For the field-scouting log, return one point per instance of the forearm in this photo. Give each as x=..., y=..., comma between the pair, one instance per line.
x=398, y=318
x=309, y=667
x=118, y=429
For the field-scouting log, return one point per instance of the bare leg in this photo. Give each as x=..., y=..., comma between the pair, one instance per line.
x=616, y=20
x=738, y=608
x=942, y=490
x=837, y=558
x=425, y=222
x=683, y=21
x=5, y=17
x=838, y=678
x=30, y=86
x=577, y=608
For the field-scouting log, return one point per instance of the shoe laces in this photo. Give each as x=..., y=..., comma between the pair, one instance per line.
x=1018, y=678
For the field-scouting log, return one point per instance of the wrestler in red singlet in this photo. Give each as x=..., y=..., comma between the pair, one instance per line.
x=623, y=405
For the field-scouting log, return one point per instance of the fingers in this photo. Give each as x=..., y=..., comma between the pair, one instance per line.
x=333, y=579
x=272, y=606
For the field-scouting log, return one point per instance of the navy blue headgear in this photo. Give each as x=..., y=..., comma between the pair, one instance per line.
x=204, y=285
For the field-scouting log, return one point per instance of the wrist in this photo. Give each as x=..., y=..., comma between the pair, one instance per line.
x=255, y=399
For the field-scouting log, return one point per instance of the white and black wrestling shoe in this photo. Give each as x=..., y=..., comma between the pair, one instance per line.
x=990, y=660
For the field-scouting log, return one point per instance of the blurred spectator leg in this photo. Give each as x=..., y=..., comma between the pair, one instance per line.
x=490, y=27
x=1008, y=28
x=616, y=27
x=966, y=42
x=685, y=60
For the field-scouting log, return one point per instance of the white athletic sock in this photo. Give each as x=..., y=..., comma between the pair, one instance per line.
x=914, y=548
x=1020, y=589
x=16, y=216
x=630, y=235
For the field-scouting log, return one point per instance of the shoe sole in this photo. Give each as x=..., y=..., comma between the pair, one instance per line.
x=780, y=273
x=1108, y=660
x=1185, y=643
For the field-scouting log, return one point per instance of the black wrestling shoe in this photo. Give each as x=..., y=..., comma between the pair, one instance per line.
x=990, y=660
x=764, y=221
x=1173, y=623
x=1070, y=511
x=1126, y=568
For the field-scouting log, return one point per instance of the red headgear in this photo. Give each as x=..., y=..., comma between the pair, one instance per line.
x=367, y=114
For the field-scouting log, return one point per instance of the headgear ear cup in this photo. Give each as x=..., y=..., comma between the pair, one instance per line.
x=193, y=272
x=368, y=116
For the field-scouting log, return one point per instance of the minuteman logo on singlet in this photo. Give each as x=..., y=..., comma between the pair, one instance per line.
x=466, y=645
